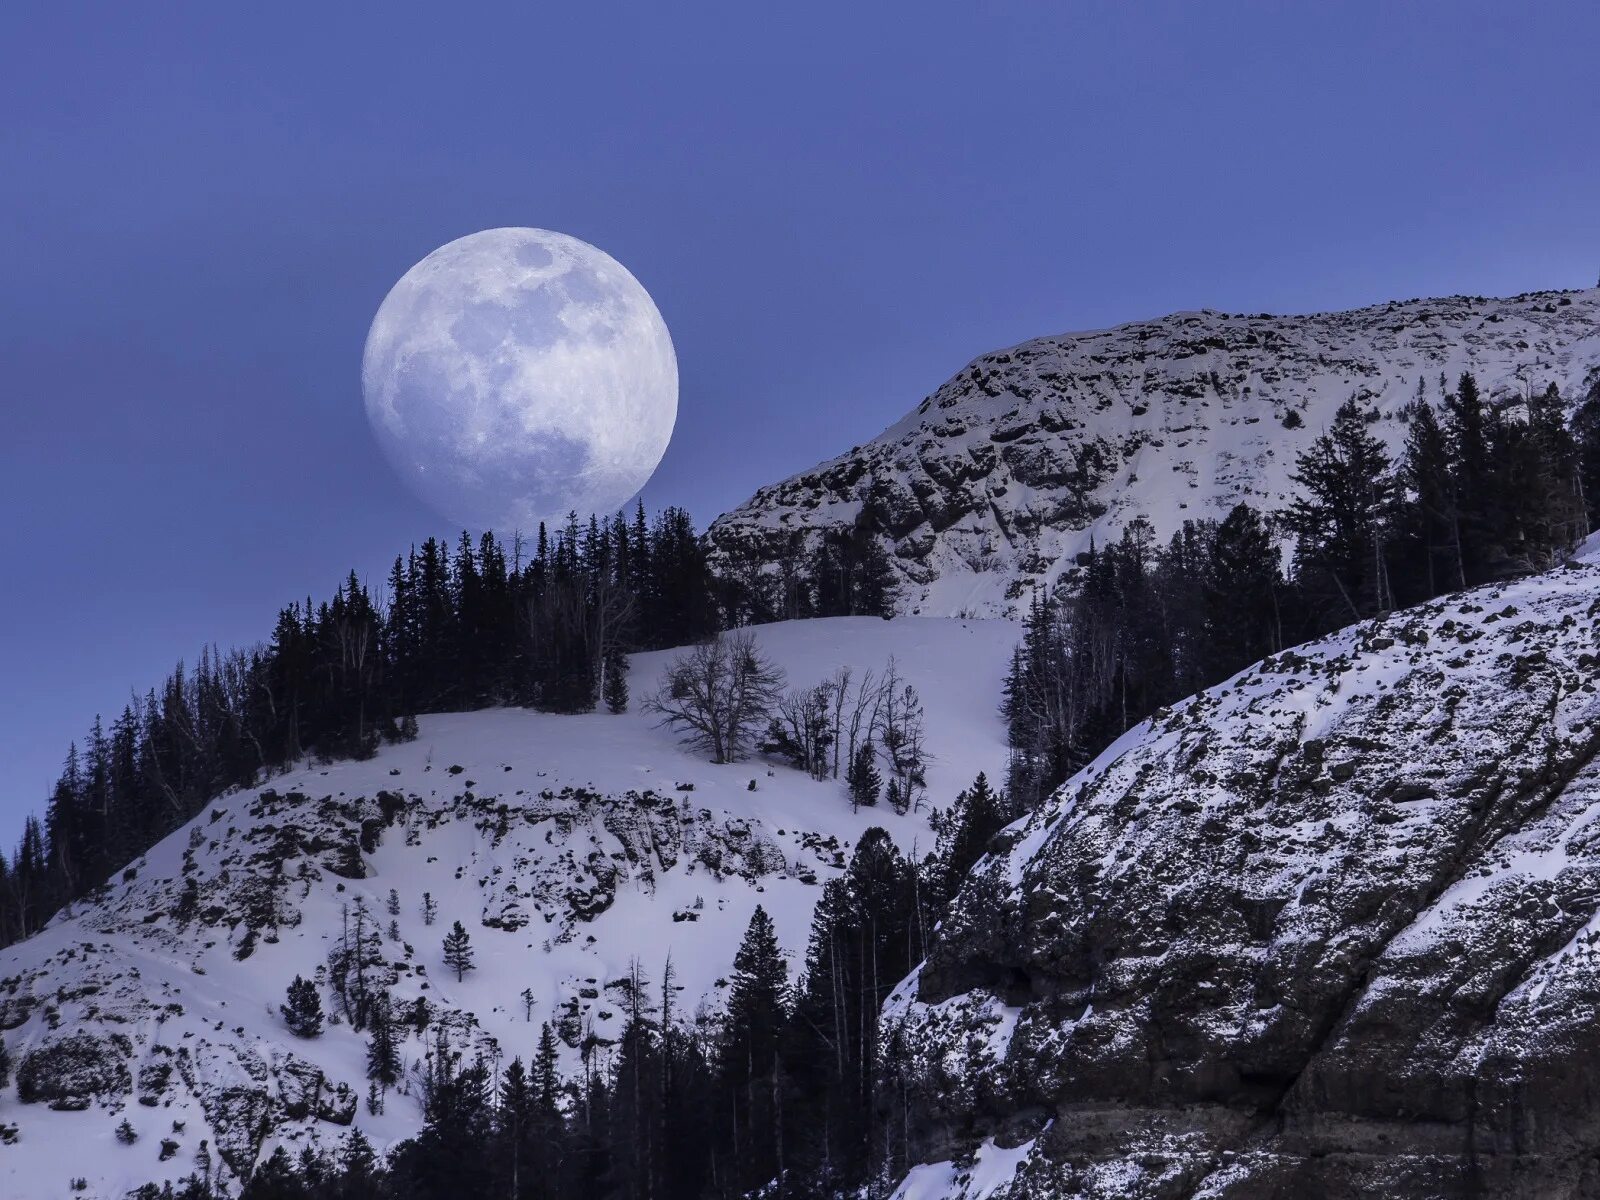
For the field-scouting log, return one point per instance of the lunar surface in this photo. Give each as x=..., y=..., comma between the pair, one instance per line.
x=515, y=375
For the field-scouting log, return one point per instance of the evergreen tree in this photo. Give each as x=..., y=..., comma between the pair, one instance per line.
x=447, y=1158
x=276, y=1179
x=1240, y=587
x=1342, y=520
x=863, y=942
x=361, y=1175
x=383, y=1048
x=1472, y=426
x=302, y=1012
x=977, y=815
x=458, y=951
x=1546, y=487
x=1586, y=433
x=1432, y=518
x=749, y=1076
x=862, y=778
x=616, y=684
x=516, y=1133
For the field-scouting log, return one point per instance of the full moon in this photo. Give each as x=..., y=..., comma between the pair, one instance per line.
x=515, y=375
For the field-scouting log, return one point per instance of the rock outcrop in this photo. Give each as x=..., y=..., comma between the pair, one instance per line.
x=1004, y=474
x=1329, y=929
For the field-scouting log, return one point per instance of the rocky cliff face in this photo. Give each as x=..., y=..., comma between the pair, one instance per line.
x=1329, y=929
x=1003, y=474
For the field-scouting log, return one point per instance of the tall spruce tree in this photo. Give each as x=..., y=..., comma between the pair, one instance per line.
x=1432, y=516
x=749, y=1075
x=976, y=816
x=458, y=950
x=1343, y=520
x=1241, y=591
x=383, y=1045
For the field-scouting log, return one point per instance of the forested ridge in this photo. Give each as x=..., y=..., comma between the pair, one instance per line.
x=546, y=623
x=1479, y=492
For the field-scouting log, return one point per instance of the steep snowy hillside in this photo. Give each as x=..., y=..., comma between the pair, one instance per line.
x=1009, y=469
x=569, y=847
x=1329, y=929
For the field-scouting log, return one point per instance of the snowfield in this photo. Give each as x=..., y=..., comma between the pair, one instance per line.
x=588, y=843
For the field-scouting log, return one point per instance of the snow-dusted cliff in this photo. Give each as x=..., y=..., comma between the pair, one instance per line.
x=1329, y=929
x=1010, y=468
x=569, y=847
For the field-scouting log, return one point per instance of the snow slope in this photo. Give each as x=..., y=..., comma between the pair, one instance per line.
x=1006, y=472
x=569, y=846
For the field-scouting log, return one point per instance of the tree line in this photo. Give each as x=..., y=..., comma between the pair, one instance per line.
x=545, y=625
x=1479, y=492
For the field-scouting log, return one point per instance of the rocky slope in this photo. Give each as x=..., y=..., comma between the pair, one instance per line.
x=1330, y=929
x=569, y=847
x=1008, y=470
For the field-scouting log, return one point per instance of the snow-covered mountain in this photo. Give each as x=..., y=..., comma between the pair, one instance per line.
x=1328, y=929
x=1009, y=469
x=568, y=846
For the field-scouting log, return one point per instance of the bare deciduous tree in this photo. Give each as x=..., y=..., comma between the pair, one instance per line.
x=803, y=727
x=719, y=695
x=900, y=733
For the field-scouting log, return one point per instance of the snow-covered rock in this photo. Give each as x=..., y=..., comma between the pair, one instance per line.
x=1006, y=472
x=1331, y=929
x=569, y=847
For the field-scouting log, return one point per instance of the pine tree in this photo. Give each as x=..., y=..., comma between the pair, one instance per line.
x=616, y=685
x=1586, y=433
x=1343, y=518
x=275, y=1179
x=862, y=778
x=383, y=1049
x=361, y=1176
x=303, y=1011
x=1240, y=585
x=458, y=951
x=977, y=815
x=749, y=1077
x=862, y=942
x=1432, y=519
x=430, y=908
x=1472, y=427
x=1545, y=489
x=516, y=1124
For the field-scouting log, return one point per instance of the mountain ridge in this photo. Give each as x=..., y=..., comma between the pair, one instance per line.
x=1015, y=465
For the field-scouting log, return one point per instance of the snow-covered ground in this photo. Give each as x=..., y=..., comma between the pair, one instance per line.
x=593, y=841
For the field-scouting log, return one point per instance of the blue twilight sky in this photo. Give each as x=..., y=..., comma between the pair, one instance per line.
x=834, y=205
